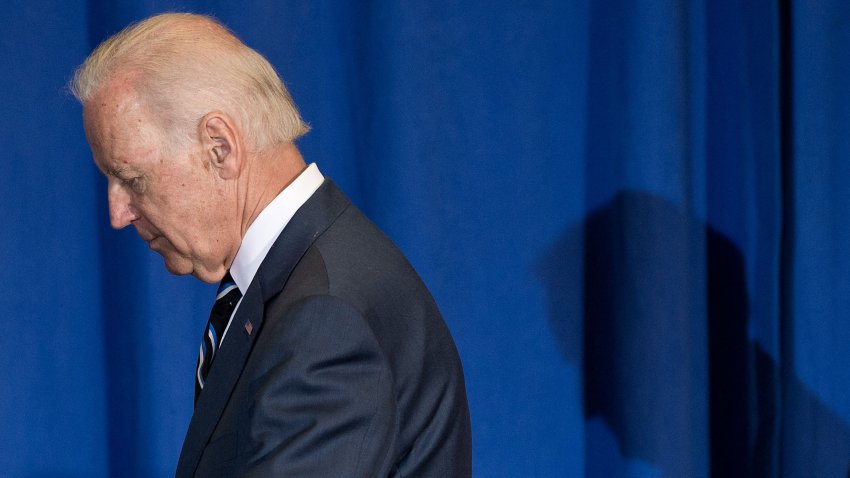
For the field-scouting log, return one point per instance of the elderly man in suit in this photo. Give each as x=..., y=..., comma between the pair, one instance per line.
x=324, y=355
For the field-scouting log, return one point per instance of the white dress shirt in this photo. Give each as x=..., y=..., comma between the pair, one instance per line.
x=268, y=225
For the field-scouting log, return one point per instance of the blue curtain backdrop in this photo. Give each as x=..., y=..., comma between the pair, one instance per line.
x=631, y=212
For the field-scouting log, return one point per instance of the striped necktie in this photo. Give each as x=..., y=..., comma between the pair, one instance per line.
x=225, y=301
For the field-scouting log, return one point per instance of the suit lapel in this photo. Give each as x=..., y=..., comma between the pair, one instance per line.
x=316, y=215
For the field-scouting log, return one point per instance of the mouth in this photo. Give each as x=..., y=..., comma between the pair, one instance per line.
x=152, y=238
x=153, y=242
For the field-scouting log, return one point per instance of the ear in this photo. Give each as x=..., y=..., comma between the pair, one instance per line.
x=222, y=145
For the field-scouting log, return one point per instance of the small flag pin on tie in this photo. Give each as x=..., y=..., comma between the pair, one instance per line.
x=249, y=327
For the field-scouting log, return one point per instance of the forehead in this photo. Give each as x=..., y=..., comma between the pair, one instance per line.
x=118, y=126
x=112, y=110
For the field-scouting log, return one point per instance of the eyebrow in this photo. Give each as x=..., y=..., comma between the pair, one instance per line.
x=116, y=171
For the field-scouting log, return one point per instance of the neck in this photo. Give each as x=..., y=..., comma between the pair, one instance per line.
x=266, y=175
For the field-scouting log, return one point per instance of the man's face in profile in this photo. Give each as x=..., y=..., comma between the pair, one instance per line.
x=172, y=199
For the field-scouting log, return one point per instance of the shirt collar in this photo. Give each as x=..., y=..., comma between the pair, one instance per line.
x=268, y=225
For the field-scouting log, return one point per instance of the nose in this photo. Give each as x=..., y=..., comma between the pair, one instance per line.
x=121, y=210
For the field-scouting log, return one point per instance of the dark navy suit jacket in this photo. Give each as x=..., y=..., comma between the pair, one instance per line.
x=337, y=364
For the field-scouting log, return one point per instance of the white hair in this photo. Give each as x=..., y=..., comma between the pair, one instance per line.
x=184, y=66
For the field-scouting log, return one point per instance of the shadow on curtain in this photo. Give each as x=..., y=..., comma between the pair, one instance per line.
x=654, y=396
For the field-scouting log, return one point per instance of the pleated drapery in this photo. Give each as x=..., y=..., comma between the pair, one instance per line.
x=632, y=214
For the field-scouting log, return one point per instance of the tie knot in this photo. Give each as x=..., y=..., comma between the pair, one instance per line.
x=226, y=286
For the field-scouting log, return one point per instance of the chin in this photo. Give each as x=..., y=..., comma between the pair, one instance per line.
x=206, y=276
x=178, y=267
x=181, y=265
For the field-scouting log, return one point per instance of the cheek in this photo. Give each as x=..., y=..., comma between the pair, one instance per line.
x=187, y=227
x=186, y=210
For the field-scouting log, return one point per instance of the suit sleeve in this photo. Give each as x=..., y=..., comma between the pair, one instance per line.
x=321, y=399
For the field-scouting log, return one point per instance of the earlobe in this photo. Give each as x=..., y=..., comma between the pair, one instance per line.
x=221, y=142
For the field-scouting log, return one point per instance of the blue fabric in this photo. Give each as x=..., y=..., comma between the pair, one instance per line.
x=631, y=213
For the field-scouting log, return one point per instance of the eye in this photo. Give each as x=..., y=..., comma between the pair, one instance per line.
x=137, y=184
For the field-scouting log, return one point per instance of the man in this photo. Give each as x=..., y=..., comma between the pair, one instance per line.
x=336, y=361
